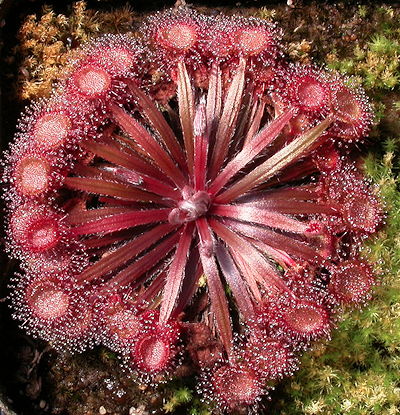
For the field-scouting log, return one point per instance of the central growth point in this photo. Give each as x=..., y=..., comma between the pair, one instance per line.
x=192, y=205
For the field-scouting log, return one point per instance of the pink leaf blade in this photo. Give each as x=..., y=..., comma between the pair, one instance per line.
x=256, y=118
x=262, y=217
x=235, y=282
x=278, y=255
x=219, y=303
x=135, y=271
x=112, y=153
x=103, y=241
x=121, y=221
x=227, y=122
x=125, y=253
x=306, y=192
x=254, y=147
x=252, y=276
x=275, y=163
x=153, y=290
x=176, y=274
x=144, y=182
x=159, y=123
x=79, y=216
x=113, y=189
x=200, y=147
x=254, y=259
x=186, y=111
x=291, y=207
x=92, y=172
x=291, y=246
x=214, y=99
x=193, y=273
x=140, y=134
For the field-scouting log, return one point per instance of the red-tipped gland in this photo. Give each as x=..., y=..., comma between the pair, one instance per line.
x=306, y=319
x=353, y=197
x=297, y=321
x=327, y=158
x=32, y=176
x=235, y=386
x=265, y=77
x=80, y=324
x=36, y=228
x=122, y=322
x=155, y=347
x=311, y=94
x=115, y=53
x=120, y=59
x=315, y=228
x=252, y=41
x=351, y=281
x=352, y=111
x=306, y=88
x=177, y=36
x=271, y=358
x=56, y=310
x=362, y=211
x=42, y=234
x=51, y=130
x=346, y=105
x=152, y=354
x=47, y=299
x=217, y=41
x=91, y=81
x=54, y=264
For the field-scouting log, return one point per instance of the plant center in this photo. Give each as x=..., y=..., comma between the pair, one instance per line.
x=193, y=205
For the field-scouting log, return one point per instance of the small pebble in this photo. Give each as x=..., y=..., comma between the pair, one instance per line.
x=42, y=404
x=102, y=410
x=138, y=411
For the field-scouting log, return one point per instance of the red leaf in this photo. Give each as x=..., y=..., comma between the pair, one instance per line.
x=219, y=304
x=186, y=111
x=227, y=122
x=235, y=282
x=126, y=253
x=159, y=123
x=275, y=163
x=114, y=189
x=176, y=273
x=121, y=221
x=261, y=216
x=251, y=150
x=138, y=133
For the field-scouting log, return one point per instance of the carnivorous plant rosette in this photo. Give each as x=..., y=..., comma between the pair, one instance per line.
x=190, y=196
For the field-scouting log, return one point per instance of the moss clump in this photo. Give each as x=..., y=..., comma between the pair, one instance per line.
x=375, y=59
x=46, y=42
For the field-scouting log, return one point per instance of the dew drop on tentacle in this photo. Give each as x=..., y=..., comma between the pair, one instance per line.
x=91, y=81
x=51, y=130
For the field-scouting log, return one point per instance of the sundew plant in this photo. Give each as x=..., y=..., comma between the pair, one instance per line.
x=191, y=196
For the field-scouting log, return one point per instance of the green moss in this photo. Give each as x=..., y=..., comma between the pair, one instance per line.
x=180, y=396
x=376, y=58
